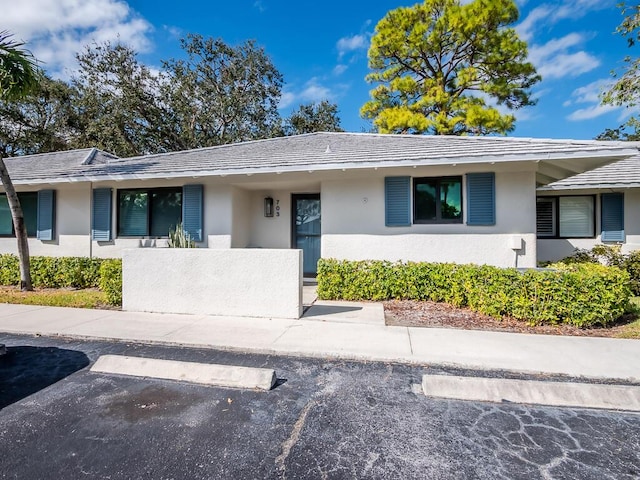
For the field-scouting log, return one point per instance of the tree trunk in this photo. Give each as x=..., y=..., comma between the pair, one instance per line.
x=19, y=226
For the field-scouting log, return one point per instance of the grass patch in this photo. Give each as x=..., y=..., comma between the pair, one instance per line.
x=632, y=329
x=84, y=298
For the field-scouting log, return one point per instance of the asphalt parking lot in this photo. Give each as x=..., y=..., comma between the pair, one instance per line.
x=324, y=419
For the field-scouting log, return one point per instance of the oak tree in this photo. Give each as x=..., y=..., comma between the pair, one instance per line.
x=220, y=93
x=313, y=117
x=116, y=99
x=40, y=122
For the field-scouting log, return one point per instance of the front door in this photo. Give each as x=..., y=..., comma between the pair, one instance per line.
x=306, y=232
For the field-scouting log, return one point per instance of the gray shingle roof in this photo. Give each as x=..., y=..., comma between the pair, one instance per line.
x=317, y=151
x=621, y=174
x=69, y=163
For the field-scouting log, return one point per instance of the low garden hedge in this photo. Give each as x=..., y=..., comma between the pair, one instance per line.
x=110, y=281
x=612, y=256
x=75, y=272
x=579, y=294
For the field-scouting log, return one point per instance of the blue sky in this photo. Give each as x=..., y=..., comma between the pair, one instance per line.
x=321, y=47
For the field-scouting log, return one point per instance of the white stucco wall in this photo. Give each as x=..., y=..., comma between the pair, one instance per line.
x=240, y=217
x=217, y=216
x=234, y=282
x=73, y=216
x=352, y=203
x=551, y=249
x=353, y=223
x=466, y=248
x=271, y=232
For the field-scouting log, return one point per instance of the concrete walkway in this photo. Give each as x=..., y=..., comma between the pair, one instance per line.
x=346, y=330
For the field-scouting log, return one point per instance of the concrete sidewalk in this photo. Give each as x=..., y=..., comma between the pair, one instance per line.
x=354, y=331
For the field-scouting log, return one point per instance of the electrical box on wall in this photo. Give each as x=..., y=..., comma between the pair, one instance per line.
x=515, y=242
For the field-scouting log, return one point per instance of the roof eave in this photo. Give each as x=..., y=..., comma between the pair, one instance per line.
x=607, y=156
x=592, y=186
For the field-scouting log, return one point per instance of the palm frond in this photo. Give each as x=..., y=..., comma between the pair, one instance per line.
x=19, y=71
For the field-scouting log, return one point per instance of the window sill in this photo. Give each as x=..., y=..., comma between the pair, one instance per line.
x=565, y=238
x=437, y=222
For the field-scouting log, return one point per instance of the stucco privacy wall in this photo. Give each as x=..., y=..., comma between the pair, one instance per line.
x=551, y=249
x=353, y=223
x=213, y=282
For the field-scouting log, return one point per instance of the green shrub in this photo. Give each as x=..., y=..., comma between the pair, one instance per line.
x=579, y=294
x=9, y=270
x=74, y=272
x=631, y=264
x=111, y=280
x=56, y=272
x=53, y=272
x=611, y=256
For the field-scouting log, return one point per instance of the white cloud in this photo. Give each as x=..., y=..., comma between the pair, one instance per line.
x=547, y=14
x=339, y=69
x=287, y=99
x=554, y=59
x=589, y=94
x=55, y=30
x=590, y=112
x=312, y=91
x=174, y=32
x=349, y=44
x=539, y=53
x=568, y=65
x=526, y=28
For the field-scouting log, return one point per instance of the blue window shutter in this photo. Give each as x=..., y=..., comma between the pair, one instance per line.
x=612, y=217
x=192, y=211
x=46, y=215
x=397, y=198
x=481, y=198
x=101, y=215
x=6, y=220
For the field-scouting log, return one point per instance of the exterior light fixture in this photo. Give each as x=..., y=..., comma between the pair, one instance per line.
x=268, y=207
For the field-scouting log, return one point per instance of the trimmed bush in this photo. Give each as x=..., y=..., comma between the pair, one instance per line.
x=74, y=272
x=57, y=272
x=9, y=270
x=579, y=294
x=611, y=256
x=111, y=280
x=631, y=264
x=53, y=272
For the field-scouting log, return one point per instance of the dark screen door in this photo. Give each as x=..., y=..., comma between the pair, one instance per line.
x=306, y=232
